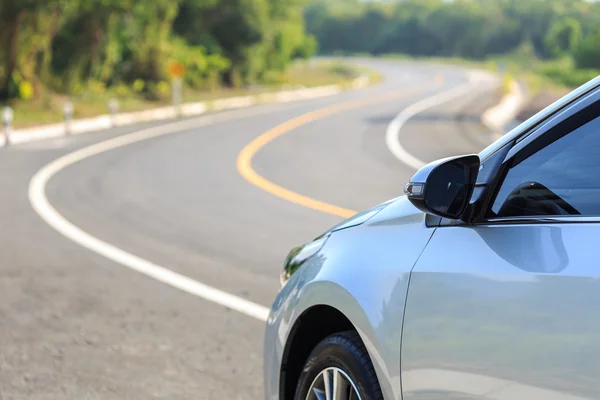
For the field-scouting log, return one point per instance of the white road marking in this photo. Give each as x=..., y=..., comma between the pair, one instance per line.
x=40, y=203
x=392, y=137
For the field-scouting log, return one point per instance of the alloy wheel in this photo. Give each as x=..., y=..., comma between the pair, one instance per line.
x=333, y=384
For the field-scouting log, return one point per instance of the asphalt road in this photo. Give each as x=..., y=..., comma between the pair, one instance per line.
x=75, y=325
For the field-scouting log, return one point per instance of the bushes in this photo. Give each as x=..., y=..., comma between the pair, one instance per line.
x=567, y=76
x=526, y=33
x=68, y=45
x=343, y=70
x=588, y=53
x=203, y=70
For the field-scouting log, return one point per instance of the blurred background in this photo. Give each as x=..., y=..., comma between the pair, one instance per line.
x=93, y=51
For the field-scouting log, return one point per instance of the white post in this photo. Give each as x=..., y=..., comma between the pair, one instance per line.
x=177, y=95
x=113, y=107
x=68, y=110
x=7, y=120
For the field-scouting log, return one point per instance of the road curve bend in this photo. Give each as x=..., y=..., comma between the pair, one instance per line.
x=207, y=208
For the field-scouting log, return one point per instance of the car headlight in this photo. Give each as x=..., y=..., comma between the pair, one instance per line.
x=299, y=255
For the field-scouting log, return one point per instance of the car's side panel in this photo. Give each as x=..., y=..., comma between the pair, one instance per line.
x=362, y=272
x=504, y=312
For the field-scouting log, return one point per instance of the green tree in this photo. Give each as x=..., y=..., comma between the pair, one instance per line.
x=588, y=53
x=563, y=37
x=88, y=45
x=462, y=28
x=308, y=48
x=285, y=36
x=152, y=30
x=26, y=30
x=237, y=26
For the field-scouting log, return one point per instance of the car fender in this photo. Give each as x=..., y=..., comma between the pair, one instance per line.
x=363, y=272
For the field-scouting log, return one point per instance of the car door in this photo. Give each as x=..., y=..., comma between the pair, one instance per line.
x=509, y=308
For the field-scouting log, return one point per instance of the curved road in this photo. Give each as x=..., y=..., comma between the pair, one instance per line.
x=75, y=324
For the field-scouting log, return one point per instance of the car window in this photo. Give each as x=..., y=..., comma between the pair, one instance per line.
x=562, y=178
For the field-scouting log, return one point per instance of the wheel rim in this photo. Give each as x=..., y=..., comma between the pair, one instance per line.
x=333, y=384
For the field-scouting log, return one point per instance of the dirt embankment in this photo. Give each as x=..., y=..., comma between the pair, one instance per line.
x=540, y=101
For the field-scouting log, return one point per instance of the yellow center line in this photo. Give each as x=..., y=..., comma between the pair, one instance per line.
x=244, y=161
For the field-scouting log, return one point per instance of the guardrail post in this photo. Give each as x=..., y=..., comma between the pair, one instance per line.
x=68, y=110
x=113, y=108
x=177, y=95
x=7, y=120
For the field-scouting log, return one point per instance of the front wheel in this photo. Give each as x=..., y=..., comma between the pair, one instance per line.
x=339, y=368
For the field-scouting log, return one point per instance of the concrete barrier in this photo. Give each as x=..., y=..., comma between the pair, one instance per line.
x=233, y=102
x=103, y=122
x=500, y=116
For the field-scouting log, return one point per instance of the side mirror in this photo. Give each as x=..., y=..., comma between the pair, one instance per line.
x=444, y=187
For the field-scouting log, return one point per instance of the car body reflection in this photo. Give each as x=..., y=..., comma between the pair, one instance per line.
x=520, y=325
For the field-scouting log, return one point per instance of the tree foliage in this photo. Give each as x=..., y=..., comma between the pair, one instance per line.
x=588, y=53
x=66, y=45
x=563, y=37
x=461, y=28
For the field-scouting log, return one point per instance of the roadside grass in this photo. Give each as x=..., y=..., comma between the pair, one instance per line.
x=544, y=81
x=554, y=76
x=94, y=101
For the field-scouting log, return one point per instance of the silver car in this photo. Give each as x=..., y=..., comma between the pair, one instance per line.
x=482, y=282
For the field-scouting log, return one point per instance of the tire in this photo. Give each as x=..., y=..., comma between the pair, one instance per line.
x=347, y=352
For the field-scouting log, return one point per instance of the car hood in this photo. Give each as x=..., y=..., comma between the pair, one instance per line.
x=361, y=217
